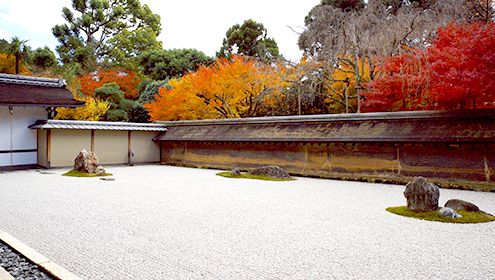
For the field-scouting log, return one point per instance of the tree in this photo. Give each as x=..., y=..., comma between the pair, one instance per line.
x=480, y=10
x=128, y=81
x=345, y=5
x=239, y=87
x=404, y=85
x=119, y=107
x=305, y=92
x=249, y=39
x=19, y=50
x=93, y=110
x=456, y=72
x=42, y=58
x=150, y=90
x=344, y=83
x=462, y=61
x=179, y=103
x=318, y=88
x=139, y=113
x=108, y=31
x=351, y=37
x=167, y=64
x=7, y=65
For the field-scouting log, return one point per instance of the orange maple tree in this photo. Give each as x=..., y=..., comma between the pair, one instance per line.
x=234, y=88
x=127, y=80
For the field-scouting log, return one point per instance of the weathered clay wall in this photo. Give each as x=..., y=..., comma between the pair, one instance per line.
x=460, y=166
x=455, y=150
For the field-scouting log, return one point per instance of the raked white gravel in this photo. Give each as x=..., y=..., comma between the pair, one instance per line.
x=162, y=222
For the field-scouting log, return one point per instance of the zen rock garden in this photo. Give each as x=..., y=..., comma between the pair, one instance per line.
x=422, y=202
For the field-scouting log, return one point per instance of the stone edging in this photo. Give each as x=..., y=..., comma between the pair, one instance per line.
x=45, y=264
x=4, y=275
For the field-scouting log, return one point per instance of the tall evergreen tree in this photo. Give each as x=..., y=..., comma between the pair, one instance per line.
x=19, y=50
x=110, y=32
x=249, y=39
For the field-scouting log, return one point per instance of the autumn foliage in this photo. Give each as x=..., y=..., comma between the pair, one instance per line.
x=7, y=65
x=127, y=80
x=456, y=72
x=93, y=110
x=239, y=87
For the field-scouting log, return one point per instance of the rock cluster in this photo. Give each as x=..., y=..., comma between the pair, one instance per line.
x=458, y=204
x=271, y=171
x=88, y=162
x=19, y=267
x=422, y=195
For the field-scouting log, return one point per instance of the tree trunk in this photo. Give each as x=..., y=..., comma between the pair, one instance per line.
x=17, y=64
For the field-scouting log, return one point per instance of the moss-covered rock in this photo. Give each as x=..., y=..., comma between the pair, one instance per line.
x=467, y=216
x=77, y=173
x=229, y=174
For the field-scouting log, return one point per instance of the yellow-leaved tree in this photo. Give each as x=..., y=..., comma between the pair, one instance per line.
x=93, y=110
x=345, y=81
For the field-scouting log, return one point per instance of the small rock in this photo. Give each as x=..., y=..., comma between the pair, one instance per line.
x=449, y=213
x=458, y=204
x=99, y=170
x=422, y=195
x=107, y=179
x=271, y=171
x=235, y=172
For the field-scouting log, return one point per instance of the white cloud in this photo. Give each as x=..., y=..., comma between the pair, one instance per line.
x=32, y=20
x=4, y=34
x=33, y=16
x=202, y=24
x=186, y=24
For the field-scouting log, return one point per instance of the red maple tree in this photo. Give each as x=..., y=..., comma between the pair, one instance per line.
x=127, y=80
x=456, y=72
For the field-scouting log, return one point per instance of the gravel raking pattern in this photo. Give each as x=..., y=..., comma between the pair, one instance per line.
x=164, y=222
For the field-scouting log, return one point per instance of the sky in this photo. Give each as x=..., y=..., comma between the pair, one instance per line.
x=195, y=24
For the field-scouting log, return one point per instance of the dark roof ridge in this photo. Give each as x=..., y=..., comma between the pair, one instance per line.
x=351, y=117
x=33, y=81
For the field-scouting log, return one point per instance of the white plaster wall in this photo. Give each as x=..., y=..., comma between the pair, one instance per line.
x=5, y=136
x=15, y=134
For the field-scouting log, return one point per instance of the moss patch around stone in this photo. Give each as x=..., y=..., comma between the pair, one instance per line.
x=77, y=173
x=467, y=217
x=228, y=174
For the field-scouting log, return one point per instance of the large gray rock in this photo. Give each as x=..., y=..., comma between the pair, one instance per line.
x=422, y=195
x=458, y=204
x=449, y=213
x=271, y=171
x=88, y=162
